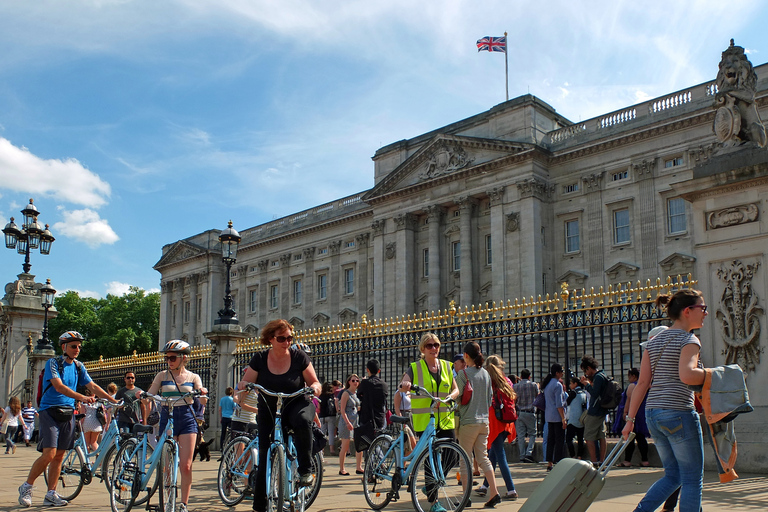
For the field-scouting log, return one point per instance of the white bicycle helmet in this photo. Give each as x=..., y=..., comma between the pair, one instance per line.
x=179, y=346
x=71, y=336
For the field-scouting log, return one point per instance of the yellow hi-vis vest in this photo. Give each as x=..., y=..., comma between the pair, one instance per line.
x=420, y=404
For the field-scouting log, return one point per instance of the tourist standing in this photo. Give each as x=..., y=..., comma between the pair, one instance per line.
x=526, y=391
x=349, y=406
x=128, y=416
x=554, y=415
x=226, y=410
x=594, y=380
x=28, y=414
x=12, y=420
x=373, y=393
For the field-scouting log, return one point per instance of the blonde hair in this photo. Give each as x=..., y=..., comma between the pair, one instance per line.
x=14, y=404
x=112, y=388
x=426, y=338
x=494, y=365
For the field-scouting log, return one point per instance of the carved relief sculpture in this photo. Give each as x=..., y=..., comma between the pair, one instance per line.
x=446, y=158
x=739, y=315
x=390, y=250
x=736, y=119
x=513, y=221
x=732, y=216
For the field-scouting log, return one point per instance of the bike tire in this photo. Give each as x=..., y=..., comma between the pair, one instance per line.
x=431, y=479
x=124, y=477
x=108, y=468
x=379, y=473
x=314, y=490
x=276, y=482
x=167, y=475
x=234, y=468
x=71, y=475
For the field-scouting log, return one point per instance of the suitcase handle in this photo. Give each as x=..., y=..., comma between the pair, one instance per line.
x=616, y=452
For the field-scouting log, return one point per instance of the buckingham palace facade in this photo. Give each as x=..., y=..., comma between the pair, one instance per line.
x=506, y=204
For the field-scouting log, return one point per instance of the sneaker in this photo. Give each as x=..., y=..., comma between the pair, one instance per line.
x=306, y=480
x=183, y=507
x=481, y=491
x=437, y=507
x=529, y=459
x=25, y=495
x=52, y=499
x=511, y=496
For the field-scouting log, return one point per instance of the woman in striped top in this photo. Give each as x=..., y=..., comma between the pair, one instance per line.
x=176, y=381
x=670, y=364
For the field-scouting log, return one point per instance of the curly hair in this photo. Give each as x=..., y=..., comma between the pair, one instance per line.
x=269, y=330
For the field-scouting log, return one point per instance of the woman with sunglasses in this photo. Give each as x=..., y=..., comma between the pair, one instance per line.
x=282, y=370
x=669, y=365
x=176, y=381
x=349, y=406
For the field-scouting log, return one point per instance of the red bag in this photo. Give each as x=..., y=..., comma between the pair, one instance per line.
x=466, y=395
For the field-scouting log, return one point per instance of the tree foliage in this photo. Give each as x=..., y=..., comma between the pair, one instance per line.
x=113, y=326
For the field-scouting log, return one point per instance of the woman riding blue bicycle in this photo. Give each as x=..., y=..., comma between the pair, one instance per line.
x=282, y=370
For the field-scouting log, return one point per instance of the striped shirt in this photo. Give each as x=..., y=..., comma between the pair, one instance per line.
x=28, y=413
x=165, y=385
x=667, y=390
x=250, y=398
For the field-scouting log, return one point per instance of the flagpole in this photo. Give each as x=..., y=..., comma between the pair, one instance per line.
x=506, y=62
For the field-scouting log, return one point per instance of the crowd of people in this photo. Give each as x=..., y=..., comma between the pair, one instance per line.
x=657, y=403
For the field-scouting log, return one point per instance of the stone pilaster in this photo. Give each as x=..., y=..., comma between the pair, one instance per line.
x=192, y=328
x=378, y=265
x=361, y=293
x=334, y=284
x=435, y=215
x=285, y=284
x=498, y=245
x=467, y=206
x=595, y=250
x=178, y=293
x=404, y=240
x=263, y=291
x=308, y=302
x=648, y=217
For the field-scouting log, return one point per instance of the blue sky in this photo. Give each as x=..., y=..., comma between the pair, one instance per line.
x=137, y=123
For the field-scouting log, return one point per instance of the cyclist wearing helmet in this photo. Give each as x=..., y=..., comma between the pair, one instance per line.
x=62, y=376
x=176, y=381
x=282, y=370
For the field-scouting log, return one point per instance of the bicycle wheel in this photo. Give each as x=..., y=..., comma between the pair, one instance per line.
x=277, y=480
x=314, y=490
x=126, y=476
x=108, y=468
x=236, y=464
x=167, y=472
x=379, y=471
x=431, y=487
x=71, y=476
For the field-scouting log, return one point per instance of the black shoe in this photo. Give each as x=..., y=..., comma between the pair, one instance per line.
x=306, y=480
x=493, y=502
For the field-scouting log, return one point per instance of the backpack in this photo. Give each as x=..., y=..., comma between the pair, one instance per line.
x=504, y=408
x=330, y=406
x=610, y=396
x=60, y=367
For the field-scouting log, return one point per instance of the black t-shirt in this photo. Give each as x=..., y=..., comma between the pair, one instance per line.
x=128, y=414
x=288, y=382
x=372, y=393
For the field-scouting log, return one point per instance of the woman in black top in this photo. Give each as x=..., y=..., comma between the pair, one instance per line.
x=283, y=370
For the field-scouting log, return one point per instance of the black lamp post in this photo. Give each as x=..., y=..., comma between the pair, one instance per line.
x=46, y=293
x=230, y=240
x=32, y=235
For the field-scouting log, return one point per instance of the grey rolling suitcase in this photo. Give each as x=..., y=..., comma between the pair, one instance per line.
x=573, y=484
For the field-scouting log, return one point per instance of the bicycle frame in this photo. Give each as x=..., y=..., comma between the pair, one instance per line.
x=149, y=466
x=110, y=437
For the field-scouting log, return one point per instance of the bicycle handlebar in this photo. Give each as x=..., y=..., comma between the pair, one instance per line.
x=276, y=394
x=170, y=399
x=417, y=390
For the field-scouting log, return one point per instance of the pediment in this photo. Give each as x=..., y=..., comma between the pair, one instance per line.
x=622, y=270
x=347, y=316
x=677, y=259
x=444, y=157
x=573, y=278
x=180, y=251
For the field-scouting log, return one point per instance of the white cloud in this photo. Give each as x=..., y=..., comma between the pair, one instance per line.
x=81, y=293
x=67, y=180
x=86, y=226
x=117, y=288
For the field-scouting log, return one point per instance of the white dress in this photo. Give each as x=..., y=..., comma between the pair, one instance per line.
x=90, y=422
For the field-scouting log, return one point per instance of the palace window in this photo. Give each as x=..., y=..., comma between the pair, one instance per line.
x=324, y=250
x=425, y=263
x=322, y=286
x=621, y=175
x=297, y=291
x=621, y=226
x=570, y=188
x=349, y=281
x=349, y=244
x=254, y=301
x=186, y=311
x=273, y=296
x=488, y=250
x=673, y=162
x=456, y=256
x=676, y=220
x=572, y=236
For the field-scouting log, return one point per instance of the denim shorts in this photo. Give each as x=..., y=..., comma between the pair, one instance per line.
x=183, y=420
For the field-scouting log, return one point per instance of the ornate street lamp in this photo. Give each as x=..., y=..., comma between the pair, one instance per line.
x=230, y=240
x=30, y=236
x=46, y=294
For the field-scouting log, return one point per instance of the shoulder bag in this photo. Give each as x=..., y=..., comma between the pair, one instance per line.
x=466, y=395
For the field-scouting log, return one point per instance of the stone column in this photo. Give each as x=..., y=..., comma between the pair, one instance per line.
x=378, y=266
x=404, y=240
x=595, y=249
x=178, y=292
x=467, y=206
x=361, y=242
x=263, y=292
x=285, y=285
x=498, y=245
x=435, y=215
x=242, y=292
x=166, y=310
x=334, y=288
x=534, y=193
x=192, y=280
x=646, y=210
x=204, y=318
x=308, y=302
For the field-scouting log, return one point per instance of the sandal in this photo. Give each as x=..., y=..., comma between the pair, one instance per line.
x=343, y=473
x=645, y=464
x=625, y=464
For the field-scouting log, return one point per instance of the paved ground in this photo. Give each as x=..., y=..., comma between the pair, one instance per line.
x=622, y=491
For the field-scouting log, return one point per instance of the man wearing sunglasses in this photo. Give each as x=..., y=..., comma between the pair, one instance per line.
x=129, y=415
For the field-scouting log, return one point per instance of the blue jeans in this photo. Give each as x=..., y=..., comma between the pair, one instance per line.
x=678, y=439
x=526, y=427
x=497, y=454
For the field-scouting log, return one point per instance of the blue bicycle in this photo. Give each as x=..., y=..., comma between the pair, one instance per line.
x=136, y=464
x=80, y=466
x=426, y=471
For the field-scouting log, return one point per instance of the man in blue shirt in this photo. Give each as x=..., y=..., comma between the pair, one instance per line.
x=63, y=374
x=226, y=409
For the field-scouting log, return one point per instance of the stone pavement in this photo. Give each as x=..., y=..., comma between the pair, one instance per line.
x=622, y=491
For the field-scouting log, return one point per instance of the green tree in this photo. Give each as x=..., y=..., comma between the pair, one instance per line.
x=113, y=326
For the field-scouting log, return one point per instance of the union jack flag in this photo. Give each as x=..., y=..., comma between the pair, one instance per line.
x=492, y=44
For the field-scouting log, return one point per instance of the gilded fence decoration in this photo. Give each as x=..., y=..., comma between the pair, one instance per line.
x=739, y=315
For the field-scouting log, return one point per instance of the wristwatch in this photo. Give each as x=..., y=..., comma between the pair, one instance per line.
x=627, y=418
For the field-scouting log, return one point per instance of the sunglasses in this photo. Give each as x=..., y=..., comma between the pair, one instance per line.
x=171, y=359
x=283, y=339
x=134, y=378
x=702, y=306
x=354, y=380
x=430, y=346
